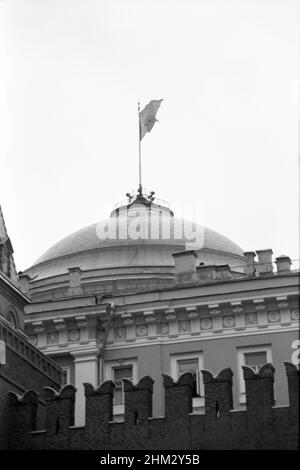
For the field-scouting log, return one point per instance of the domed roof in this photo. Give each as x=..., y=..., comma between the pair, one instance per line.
x=86, y=239
x=142, y=236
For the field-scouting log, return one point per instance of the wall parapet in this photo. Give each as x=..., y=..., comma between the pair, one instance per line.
x=260, y=426
x=21, y=346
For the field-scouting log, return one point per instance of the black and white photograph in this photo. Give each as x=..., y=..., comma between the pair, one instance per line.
x=149, y=230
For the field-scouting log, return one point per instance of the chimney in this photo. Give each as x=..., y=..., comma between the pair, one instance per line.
x=250, y=263
x=206, y=273
x=24, y=280
x=283, y=263
x=223, y=272
x=264, y=262
x=185, y=265
x=75, y=281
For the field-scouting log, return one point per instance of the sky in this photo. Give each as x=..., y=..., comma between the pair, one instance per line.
x=71, y=74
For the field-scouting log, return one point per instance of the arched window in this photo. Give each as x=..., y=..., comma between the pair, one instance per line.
x=12, y=318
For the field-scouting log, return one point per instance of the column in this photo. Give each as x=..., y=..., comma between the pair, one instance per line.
x=86, y=365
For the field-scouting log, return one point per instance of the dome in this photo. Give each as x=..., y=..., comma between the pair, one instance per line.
x=138, y=238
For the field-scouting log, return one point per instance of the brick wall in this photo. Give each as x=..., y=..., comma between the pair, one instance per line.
x=25, y=368
x=261, y=426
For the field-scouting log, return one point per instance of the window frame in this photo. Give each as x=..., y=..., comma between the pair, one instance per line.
x=67, y=371
x=241, y=351
x=2, y=352
x=198, y=402
x=12, y=318
x=108, y=374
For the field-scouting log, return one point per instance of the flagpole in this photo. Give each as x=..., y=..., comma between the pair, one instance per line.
x=140, y=158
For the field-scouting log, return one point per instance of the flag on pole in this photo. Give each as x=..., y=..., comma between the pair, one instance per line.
x=148, y=117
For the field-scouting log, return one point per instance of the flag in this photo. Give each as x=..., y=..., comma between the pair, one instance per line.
x=148, y=117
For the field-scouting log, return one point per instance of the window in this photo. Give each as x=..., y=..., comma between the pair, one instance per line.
x=255, y=357
x=190, y=362
x=116, y=371
x=11, y=317
x=190, y=365
x=2, y=352
x=119, y=373
x=66, y=379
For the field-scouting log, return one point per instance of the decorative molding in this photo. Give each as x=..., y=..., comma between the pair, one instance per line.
x=251, y=319
x=141, y=330
x=120, y=332
x=38, y=326
x=59, y=323
x=192, y=312
x=82, y=324
x=217, y=324
x=33, y=340
x=260, y=307
x=215, y=312
x=274, y=316
x=206, y=324
x=80, y=318
x=163, y=328
x=126, y=315
x=229, y=321
x=148, y=312
x=39, y=329
x=213, y=306
x=285, y=317
x=237, y=310
x=150, y=319
x=283, y=305
x=73, y=335
x=193, y=315
x=184, y=326
x=171, y=316
x=209, y=335
x=52, y=337
x=295, y=314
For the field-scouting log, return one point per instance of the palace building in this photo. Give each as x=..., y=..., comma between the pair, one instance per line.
x=145, y=293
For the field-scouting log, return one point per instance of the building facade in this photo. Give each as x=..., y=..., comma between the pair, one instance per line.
x=145, y=293
x=22, y=366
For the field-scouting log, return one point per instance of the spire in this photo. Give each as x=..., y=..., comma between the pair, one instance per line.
x=7, y=264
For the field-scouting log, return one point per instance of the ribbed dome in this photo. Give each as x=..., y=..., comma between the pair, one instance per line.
x=143, y=236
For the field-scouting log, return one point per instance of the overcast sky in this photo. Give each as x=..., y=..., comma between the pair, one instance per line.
x=71, y=73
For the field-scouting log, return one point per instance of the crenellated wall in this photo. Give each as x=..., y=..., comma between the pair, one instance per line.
x=261, y=426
